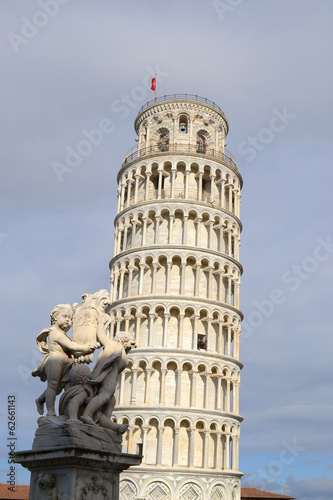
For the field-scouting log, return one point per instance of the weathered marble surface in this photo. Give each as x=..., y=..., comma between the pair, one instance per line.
x=75, y=473
x=55, y=432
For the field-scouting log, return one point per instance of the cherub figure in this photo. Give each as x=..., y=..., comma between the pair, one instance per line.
x=89, y=397
x=61, y=352
x=92, y=401
x=111, y=361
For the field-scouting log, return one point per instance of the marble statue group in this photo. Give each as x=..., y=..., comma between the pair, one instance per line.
x=87, y=396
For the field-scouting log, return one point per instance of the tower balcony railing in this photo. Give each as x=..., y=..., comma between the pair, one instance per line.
x=194, y=149
x=178, y=194
x=182, y=97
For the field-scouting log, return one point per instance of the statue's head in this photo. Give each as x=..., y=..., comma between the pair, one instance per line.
x=62, y=316
x=127, y=339
x=79, y=374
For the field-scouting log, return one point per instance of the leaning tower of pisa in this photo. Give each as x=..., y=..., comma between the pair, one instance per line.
x=175, y=279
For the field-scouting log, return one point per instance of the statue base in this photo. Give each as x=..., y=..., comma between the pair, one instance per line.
x=72, y=460
x=75, y=473
x=56, y=432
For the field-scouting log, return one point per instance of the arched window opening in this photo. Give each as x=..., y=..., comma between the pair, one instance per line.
x=201, y=143
x=121, y=241
x=183, y=124
x=153, y=187
x=144, y=134
x=163, y=142
x=154, y=180
x=202, y=342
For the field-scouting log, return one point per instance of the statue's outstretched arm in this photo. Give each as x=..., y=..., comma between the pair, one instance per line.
x=75, y=348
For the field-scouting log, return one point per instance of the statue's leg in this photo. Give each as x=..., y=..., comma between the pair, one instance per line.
x=104, y=394
x=74, y=405
x=94, y=404
x=40, y=403
x=104, y=419
x=109, y=407
x=107, y=423
x=53, y=375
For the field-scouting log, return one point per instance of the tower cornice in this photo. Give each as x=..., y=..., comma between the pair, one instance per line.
x=187, y=204
x=179, y=299
x=168, y=248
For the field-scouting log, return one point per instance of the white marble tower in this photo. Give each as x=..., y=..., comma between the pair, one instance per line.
x=175, y=279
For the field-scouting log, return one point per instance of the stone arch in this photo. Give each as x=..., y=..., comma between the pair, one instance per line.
x=146, y=274
x=127, y=490
x=130, y=316
x=215, y=234
x=135, y=266
x=164, y=227
x=193, y=181
x=212, y=444
x=184, y=442
x=201, y=385
x=183, y=121
x=190, y=490
x=235, y=494
x=175, y=274
x=171, y=382
x=161, y=273
x=178, y=227
x=142, y=331
x=152, y=438
x=137, y=436
x=162, y=138
x=214, y=331
x=191, y=228
x=169, y=425
x=190, y=276
x=151, y=226
x=188, y=328
x=213, y=383
x=158, y=325
x=186, y=383
x=155, y=382
x=158, y=490
x=218, y=492
x=125, y=419
x=199, y=443
x=204, y=277
x=173, y=327
x=141, y=381
x=179, y=180
x=203, y=314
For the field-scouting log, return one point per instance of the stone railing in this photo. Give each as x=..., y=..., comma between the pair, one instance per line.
x=200, y=150
x=182, y=97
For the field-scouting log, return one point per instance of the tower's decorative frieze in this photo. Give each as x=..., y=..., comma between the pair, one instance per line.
x=175, y=281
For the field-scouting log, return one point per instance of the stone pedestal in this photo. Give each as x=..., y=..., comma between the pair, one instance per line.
x=75, y=473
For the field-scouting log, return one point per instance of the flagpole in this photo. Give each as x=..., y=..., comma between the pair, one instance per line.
x=155, y=90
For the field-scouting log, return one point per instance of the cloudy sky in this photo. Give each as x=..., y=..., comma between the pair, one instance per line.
x=69, y=65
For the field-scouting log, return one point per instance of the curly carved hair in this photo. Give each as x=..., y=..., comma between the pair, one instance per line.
x=60, y=307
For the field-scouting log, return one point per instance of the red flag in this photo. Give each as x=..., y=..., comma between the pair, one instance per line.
x=153, y=84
